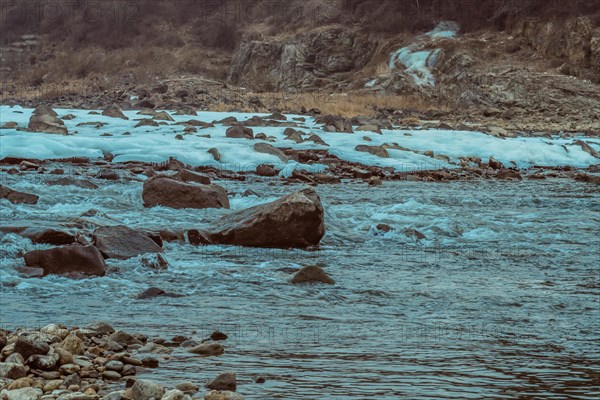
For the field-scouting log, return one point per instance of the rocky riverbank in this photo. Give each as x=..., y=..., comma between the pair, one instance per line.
x=98, y=362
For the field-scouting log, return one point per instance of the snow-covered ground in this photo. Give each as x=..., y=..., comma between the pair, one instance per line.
x=157, y=144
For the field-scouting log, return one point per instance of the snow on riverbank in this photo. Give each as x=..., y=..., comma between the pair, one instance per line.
x=157, y=144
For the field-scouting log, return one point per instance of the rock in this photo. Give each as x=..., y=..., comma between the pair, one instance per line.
x=217, y=335
x=239, y=132
x=375, y=150
x=375, y=181
x=64, y=356
x=123, y=338
x=146, y=122
x=73, y=344
x=28, y=347
x=51, y=236
x=587, y=148
x=293, y=135
x=114, y=111
x=335, y=124
x=111, y=375
x=101, y=328
x=222, y=395
x=155, y=292
x=312, y=274
x=369, y=128
x=122, y=243
x=175, y=394
x=215, y=153
x=16, y=197
x=27, y=272
x=413, y=233
x=190, y=176
x=55, y=330
x=12, y=370
x=594, y=179
x=155, y=261
x=187, y=387
x=23, y=383
x=266, y=170
x=68, y=181
x=509, y=174
x=21, y=394
x=144, y=389
x=161, y=88
x=43, y=362
x=295, y=220
x=68, y=259
x=44, y=119
x=269, y=149
x=163, y=116
x=317, y=140
x=224, y=381
x=9, y=125
x=208, y=349
x=168, y=192
x=114, y=365
x=495, y=164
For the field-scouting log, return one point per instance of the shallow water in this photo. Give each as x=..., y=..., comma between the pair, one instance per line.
x=500, y=301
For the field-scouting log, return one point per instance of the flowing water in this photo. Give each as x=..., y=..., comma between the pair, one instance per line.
x=501, y=300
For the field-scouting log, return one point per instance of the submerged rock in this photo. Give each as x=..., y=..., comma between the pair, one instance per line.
x=169, y=192
x=269, y=149
x=17, y=197
x=44, y=119
x=121, y=242
x=68, y=259
x=312, y=274
x=295, y=220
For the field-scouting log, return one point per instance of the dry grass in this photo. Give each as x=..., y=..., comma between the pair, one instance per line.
x=349, y=105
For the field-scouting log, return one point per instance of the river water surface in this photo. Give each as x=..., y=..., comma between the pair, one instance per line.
x=501, y=299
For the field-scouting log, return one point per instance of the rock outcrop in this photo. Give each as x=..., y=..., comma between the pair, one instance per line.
x=308, y=60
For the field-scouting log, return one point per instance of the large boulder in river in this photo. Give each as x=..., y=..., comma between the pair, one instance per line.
x=121, y=242
x=295, y=220
x=165, y=191
x=44, y=119
x=68, y=259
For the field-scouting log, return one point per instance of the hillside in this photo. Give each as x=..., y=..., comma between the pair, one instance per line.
x=527, y=65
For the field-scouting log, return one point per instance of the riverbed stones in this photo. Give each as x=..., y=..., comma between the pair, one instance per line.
x=29, y=347
x=295, y=220
x=45, y=120
x=68, y=259
x=169, y=192
x=43, y=362
x=144, y=389
x=28, y=393
x=17, y=197
x=224, y=381
x=121, y=242
x=11, y=370
x=73, y=344
x=375, y=150
x=222, y=395
x=311, y=274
